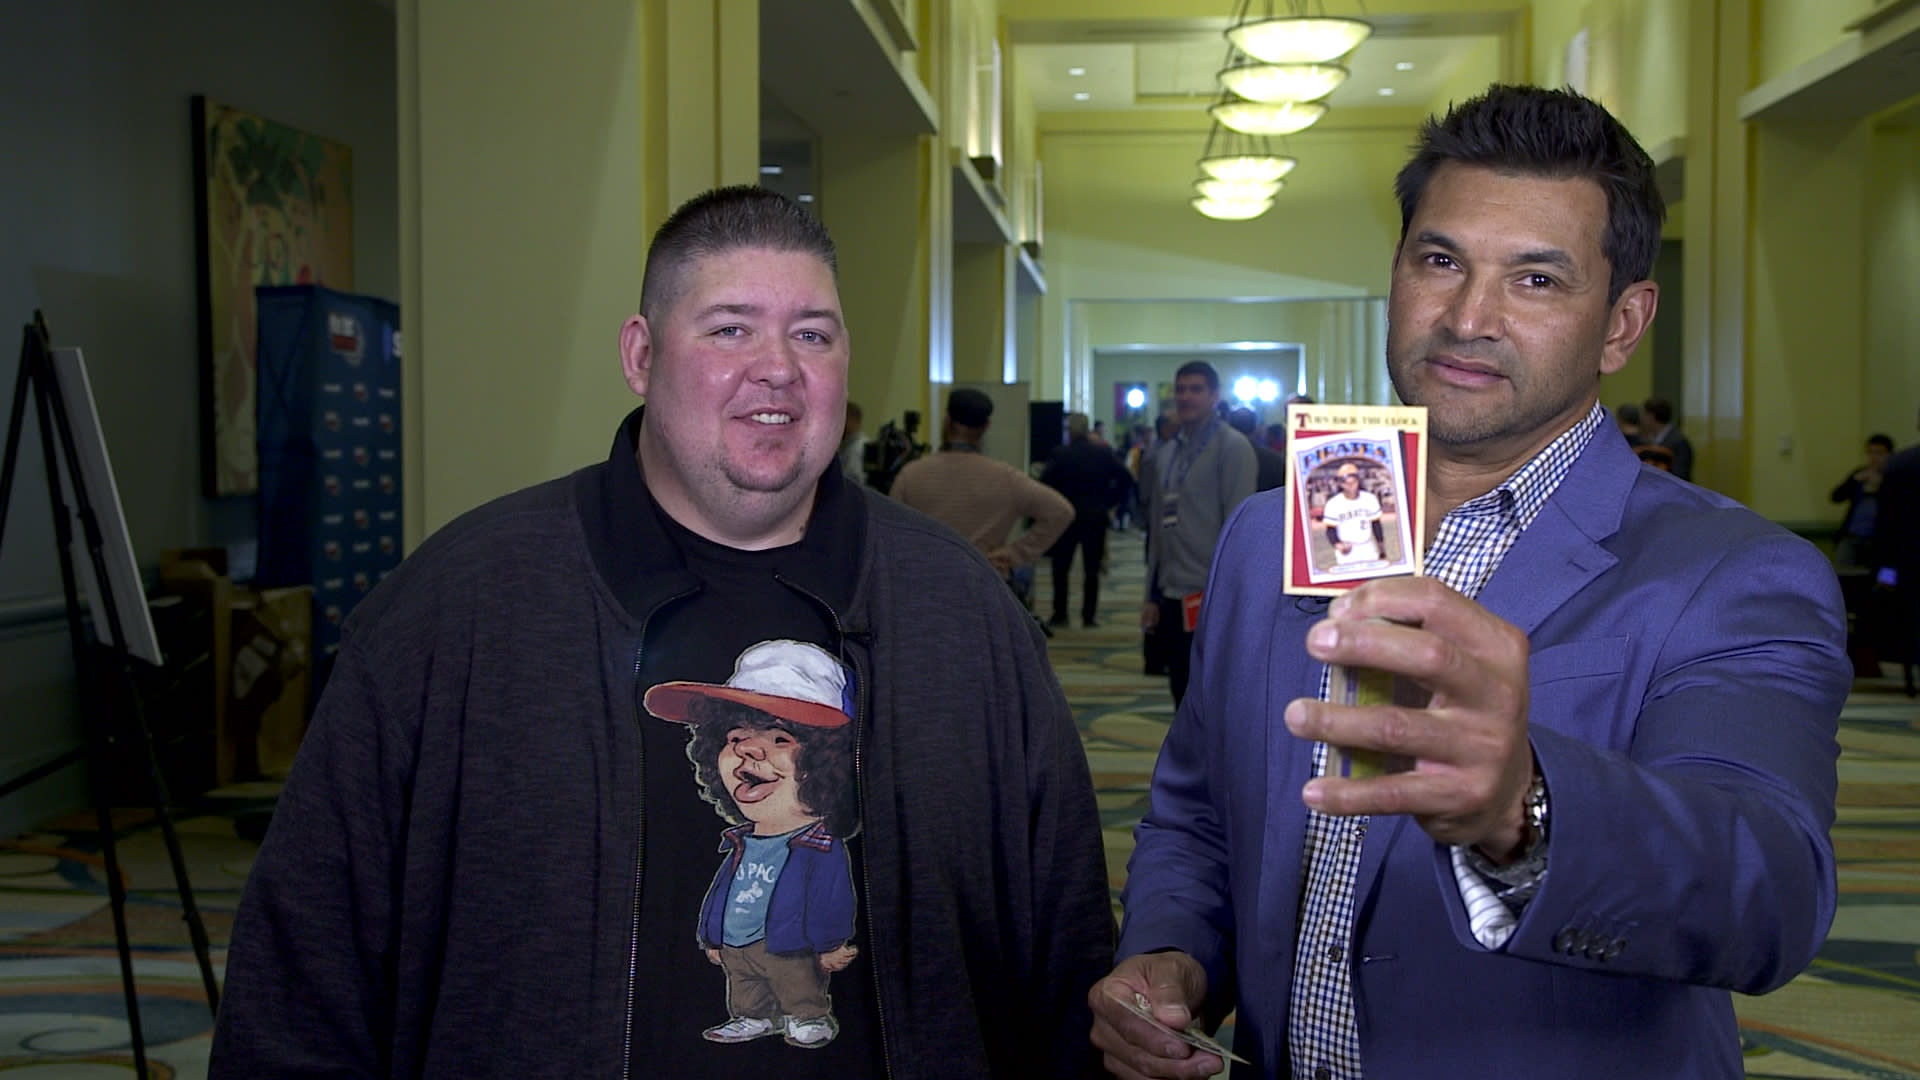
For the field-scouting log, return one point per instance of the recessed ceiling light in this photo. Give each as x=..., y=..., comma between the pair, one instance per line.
x=1386, y=91
x=1082, y=96
x=771, y=170
x=1404, y=65
x=1076, y=72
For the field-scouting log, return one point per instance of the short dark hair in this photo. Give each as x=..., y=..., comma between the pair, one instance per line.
x=1202, y=369
x=1878, y=439
x=1658, y=409
x=722, y=220
x=1242, y=420
x=969, y=408
x=1627, y=412
x=1556, y=134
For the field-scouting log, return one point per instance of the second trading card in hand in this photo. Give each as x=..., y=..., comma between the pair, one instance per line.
x=1356, y=484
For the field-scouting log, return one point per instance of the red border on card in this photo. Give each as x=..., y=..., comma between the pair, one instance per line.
x=1298, y=563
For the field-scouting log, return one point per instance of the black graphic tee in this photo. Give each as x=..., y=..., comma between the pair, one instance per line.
x=752, y=957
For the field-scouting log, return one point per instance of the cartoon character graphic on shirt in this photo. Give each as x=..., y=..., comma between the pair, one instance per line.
x=772, y=751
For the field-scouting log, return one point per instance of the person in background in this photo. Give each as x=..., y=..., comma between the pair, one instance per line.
x=1620, y=696
x=853, y=446
x=1659, y=429
x=1626, y=416
x=496, y=853
x=1897, y=555
x=1095, y=482
x=1270, y=468
x=979, y=497
x=1192, y=483
x=1860, y=491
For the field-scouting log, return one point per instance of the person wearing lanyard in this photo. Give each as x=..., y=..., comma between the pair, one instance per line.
x=1194, y=485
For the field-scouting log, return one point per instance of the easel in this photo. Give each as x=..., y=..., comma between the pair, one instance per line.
x=103, y=671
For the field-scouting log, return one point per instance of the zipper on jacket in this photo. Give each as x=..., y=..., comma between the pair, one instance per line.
x=640, y=837
x=860, y=798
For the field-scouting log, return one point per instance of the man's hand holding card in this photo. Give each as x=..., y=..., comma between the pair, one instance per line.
x=1356, y=483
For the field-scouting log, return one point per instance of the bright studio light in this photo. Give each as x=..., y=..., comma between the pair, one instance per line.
x=1269, y=390
x=1136, y=398
x=1246, y=388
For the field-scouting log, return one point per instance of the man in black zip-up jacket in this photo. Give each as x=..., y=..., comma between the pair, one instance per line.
x=495, y=853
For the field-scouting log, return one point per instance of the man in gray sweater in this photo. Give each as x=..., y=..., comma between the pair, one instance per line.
x=1187, y=491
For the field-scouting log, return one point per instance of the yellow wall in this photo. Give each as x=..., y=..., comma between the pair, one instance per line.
x=1554, y=24
x=1475, y=73
x=982, y=312
x=522, y=242
x=1806, y=314
x=1890, y=378
x=1788, y=33
x=872, y=197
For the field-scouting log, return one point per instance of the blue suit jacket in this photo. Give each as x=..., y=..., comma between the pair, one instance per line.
x=1687, y=673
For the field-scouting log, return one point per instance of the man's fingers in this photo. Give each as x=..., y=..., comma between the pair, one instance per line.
x=1429, y=604
x=1441, y=736
x=1451, y=669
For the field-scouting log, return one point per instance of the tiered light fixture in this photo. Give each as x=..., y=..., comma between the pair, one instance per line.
x=1239, y=175
x=1267, y=117
x=1280, y=63
x=1257, y=80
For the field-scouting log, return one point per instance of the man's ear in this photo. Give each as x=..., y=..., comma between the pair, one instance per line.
x=1631, y=316
x=636, y=352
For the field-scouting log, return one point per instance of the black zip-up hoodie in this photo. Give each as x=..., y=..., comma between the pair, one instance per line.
x=448, y=885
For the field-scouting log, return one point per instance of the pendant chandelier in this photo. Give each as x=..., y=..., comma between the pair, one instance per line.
x=1223, y=210
x=1256, y=80
x=1239, y=175
x=1267, y=117
x=1233, y=155
x=1294, y=35
x=1237, y=190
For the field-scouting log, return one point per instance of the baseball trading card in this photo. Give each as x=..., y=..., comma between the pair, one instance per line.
x=1192, y=1036
x=1356, y=481
x=1356, y=484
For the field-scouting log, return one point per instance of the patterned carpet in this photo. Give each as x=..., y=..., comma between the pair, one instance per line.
x=1855, y=1014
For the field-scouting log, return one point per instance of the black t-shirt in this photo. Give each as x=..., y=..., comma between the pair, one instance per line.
x=751, y=841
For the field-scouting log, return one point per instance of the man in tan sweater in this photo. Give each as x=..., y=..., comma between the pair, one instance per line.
x=979, y=497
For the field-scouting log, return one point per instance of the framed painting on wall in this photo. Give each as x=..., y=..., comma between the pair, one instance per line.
x=274, y=206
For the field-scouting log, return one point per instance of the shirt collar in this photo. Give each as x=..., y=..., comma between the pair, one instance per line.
x=1523, y=495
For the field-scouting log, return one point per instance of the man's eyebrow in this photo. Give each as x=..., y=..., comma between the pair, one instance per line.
x=748, y=310
x=1548, y=256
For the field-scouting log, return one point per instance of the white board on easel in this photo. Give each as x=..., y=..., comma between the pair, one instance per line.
x=96, y=471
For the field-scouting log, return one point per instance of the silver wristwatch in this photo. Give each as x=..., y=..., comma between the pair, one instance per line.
x=1521, y=877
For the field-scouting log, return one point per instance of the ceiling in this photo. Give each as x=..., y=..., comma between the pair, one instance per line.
x=1172, y=63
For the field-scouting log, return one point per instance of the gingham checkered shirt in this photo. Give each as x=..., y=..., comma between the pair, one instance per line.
x=1474, y=537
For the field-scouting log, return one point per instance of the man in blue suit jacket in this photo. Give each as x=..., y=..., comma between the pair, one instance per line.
x=1625, y=770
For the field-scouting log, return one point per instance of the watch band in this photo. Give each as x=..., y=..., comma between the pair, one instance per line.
x=1521, y=877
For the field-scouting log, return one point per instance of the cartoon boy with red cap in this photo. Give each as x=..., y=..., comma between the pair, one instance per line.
x=772, y=750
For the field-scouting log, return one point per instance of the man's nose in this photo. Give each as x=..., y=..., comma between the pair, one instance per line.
x=775, y=364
